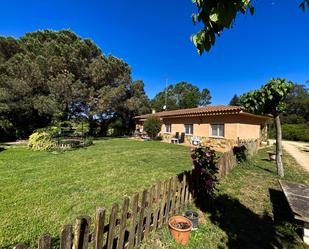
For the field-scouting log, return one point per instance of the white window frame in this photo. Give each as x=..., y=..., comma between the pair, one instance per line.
x=190, y=130
x=218, y=132
x=170, y=128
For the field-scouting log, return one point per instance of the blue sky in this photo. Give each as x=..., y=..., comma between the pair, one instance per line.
x=153, y=36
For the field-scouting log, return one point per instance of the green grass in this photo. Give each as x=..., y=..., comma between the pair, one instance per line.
x=42, y=191
x=249, y=211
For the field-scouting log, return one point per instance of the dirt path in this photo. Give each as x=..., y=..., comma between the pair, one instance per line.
x=300, y=151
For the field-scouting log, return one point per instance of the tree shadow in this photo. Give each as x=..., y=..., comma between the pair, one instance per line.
x=244, y=228
x=2, y=149
x=247, y=230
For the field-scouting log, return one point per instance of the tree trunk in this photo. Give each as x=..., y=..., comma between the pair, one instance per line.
x=279, y=163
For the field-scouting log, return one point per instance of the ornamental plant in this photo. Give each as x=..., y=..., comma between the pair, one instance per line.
x=152, y=126
x=204, y=162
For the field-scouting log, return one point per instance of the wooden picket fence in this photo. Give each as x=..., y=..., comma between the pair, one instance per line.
x=126, y=227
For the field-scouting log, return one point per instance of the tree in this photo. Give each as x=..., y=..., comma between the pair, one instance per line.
x=297, y=103
x=217, y=15
x=181, y=96
x=47, y=76
x=152, y=126
x=235, y=100
x=270, y=99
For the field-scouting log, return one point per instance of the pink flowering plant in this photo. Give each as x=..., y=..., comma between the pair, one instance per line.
x=204, y=162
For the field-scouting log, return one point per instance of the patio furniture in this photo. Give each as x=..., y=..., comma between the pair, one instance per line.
x=297, y=196
x=174, y=140
x=195, y=141
x=182, y=138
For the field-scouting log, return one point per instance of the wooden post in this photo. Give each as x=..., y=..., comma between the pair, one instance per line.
x=163, y=200
x=178, y=197
x=168, y=202
x=44, y=242
x=133, y=221
x=20, y=246
x=112, y=224
x=81, y=232
x=123, y=222
x=66, y=237
x=173, y=199
x=140, y=228
x=149, y=212
x=99, y=229
x=157, y=203
x=182, y=201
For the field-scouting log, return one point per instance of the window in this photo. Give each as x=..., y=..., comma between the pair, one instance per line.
x=189, y=129
x=168, y=128
x=217, y=130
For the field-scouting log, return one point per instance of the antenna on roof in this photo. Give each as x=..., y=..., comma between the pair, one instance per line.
x=165, y=106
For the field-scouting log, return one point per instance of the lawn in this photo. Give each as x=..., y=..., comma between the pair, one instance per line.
x=42, y=191
x=249, y=211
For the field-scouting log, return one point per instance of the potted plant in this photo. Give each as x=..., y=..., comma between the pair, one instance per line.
x=180, y=228
x=193, y=217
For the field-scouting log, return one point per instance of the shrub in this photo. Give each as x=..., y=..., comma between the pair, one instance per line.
x=204, y=161
x=152, y=126
x=294, y=132
x=41, y=140
x=88, y=141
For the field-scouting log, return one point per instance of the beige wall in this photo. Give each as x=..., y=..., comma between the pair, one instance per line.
x=244, y=127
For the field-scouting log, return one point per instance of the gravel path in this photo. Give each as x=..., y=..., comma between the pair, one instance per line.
x=298, y=150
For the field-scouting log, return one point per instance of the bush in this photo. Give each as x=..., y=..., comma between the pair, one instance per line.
x=88, y=141
x=41, y=140
x=294, y=132
x=152, y=126
x=204, y=161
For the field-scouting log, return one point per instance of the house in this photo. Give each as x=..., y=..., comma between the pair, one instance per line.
x=218, y=126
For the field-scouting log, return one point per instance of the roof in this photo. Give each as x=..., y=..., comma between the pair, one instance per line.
x=200, y=111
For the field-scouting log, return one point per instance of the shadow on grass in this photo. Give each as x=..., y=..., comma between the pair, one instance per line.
x=2, y=149
x=248, y=230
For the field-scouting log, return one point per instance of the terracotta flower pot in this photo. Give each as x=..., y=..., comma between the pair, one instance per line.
x=180, y=228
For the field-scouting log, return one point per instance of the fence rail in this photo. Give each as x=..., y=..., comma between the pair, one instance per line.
x=128, y=226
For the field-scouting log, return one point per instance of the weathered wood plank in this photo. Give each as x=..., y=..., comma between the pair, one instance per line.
x=112, y=224
x=66, y=238
x=174, y=192
x=178, y=197
x=168, y=200
x=81, y=232
x=44, y=242
x=123, y=222
x=182, y=200
x=99, y=229
x=162, y=206
x=149, y=211
x=298, y=198
x=140, y=228
x=133, y=221
x=157, y=206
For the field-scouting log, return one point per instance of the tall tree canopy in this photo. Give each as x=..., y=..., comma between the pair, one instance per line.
x=235, y=100
x=297, y=104
x=217, y=15
x=47, y=75
x=182, y=95
x=270, y=99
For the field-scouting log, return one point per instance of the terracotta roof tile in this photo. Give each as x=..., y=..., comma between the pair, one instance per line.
x=219, y=109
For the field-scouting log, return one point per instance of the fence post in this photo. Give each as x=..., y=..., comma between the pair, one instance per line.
x=157, y=204
x=149, y=212
x=140, y=228
x=81, y=232
x=123, y=222
x=99, y=228
x=133, y=221
x=173, y=205
x=168, y=202
x=44, y=242
x=112, y=224
x=163, y=200
x=66, y=237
